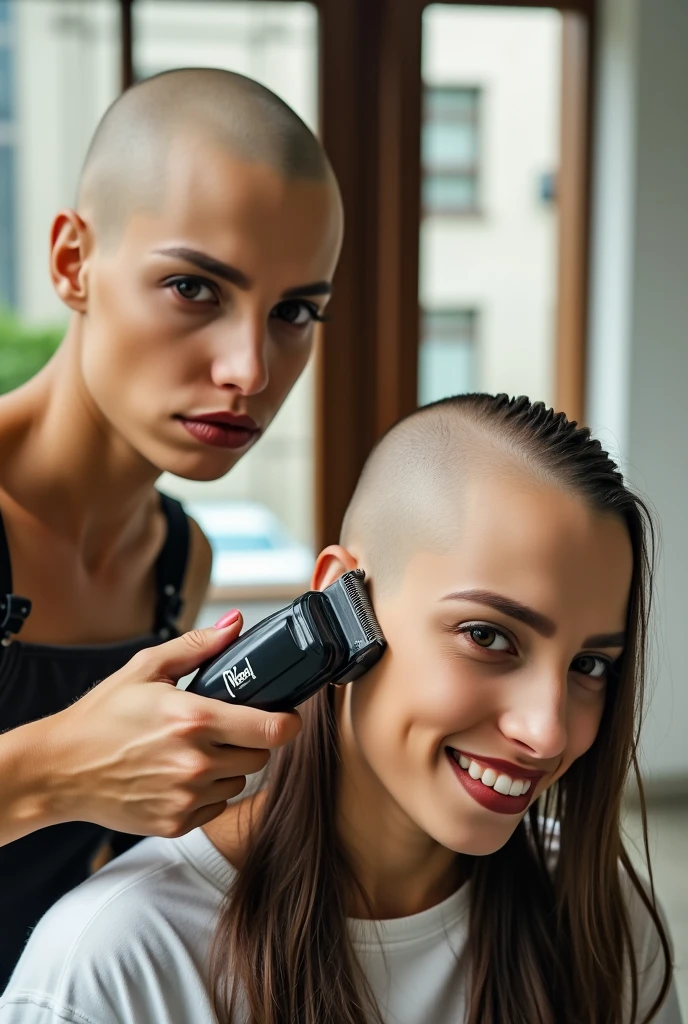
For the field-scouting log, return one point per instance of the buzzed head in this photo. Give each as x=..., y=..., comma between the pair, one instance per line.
x=409, y=495
x=125, y=167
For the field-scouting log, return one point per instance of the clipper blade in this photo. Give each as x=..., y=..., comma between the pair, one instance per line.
x=360, y=602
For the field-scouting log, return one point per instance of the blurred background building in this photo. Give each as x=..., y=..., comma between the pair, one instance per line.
x=515, y=179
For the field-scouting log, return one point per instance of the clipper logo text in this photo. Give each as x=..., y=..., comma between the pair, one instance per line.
x=235, y=678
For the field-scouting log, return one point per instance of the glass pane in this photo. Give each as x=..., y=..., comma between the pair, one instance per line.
x=491, y=76
x=446, y=368
x=450, y=101
x=59, y=71
x=6, y=83
x=260, y=517
x=449, y=192
x=449, y=143
x=449, y=325
x=447, y=354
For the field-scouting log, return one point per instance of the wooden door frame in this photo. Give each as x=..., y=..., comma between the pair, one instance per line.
x=370, y=112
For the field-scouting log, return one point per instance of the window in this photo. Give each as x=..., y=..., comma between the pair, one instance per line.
x=63, y=73
x=6, y=83
x=447, y=354
x=450, y=149
x=504, y=264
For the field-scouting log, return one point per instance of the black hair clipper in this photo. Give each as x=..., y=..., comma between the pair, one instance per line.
x=327, y=636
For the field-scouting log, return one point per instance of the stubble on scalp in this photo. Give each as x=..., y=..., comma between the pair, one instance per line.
x=125, y=169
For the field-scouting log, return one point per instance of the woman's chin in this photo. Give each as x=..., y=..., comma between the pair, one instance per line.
x=202, y=467
x=474, y=839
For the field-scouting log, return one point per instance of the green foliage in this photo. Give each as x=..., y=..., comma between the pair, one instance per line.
x=23, y=349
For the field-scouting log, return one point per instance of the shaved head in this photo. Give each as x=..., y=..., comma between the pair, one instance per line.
x=126, y=166
x=409, y=495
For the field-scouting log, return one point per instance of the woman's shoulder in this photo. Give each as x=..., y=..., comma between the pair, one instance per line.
x=100, y=953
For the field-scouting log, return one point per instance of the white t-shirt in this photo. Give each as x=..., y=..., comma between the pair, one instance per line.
x=130, y=946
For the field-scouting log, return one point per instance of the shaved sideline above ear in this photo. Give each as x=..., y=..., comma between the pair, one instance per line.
x=124, y=169
x=409, y=496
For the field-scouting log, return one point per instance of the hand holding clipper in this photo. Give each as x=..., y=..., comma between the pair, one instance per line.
x=327, y=636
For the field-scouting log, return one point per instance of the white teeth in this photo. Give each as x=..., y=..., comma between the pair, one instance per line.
x=489, y=777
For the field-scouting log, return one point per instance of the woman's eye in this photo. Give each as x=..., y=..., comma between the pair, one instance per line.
x=590, y=665
x=296, y=312
x=193, y=289
x=489, y=639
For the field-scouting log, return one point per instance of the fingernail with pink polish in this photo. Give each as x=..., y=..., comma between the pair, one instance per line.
x=227, y=619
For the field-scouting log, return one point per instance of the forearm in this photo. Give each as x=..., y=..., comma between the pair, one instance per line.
x=28, y=800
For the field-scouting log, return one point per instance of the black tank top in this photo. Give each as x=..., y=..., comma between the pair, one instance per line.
x=38, y=680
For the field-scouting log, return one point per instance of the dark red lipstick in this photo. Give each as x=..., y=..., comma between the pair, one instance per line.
x=221, y=429
x=485, y=794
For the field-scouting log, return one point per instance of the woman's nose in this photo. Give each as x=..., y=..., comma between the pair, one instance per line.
x=536, y=716
x=241, y=361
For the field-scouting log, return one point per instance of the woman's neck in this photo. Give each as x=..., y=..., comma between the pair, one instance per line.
x=401, y=870
x=64, y=464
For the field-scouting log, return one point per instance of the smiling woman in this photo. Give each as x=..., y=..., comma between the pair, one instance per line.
x=442, y=841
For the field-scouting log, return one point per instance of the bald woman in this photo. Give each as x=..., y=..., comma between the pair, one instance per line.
x=196, y=261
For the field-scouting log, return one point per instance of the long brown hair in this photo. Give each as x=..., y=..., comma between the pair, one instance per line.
x=546, y=947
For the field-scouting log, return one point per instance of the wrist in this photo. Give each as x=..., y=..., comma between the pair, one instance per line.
x=38, y=798
x=24, y=806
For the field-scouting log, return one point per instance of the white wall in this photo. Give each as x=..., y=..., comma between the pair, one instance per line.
x=639, y=314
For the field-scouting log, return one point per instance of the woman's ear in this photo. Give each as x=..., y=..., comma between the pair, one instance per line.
x=331, y=564
x=69, y=243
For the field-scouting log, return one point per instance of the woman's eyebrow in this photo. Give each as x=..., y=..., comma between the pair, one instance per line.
x=208, y=263
x=536, y=620
x=316, y=288
x=606, y=640
x=235, y=276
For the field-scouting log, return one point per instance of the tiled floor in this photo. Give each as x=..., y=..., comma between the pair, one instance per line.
x=668, y=831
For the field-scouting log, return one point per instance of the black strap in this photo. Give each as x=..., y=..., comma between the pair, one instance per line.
x=169, y=571
x=5, y=563
x=14, y=610
x=171, y=568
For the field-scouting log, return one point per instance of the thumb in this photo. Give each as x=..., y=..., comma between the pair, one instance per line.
x=176, y=658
